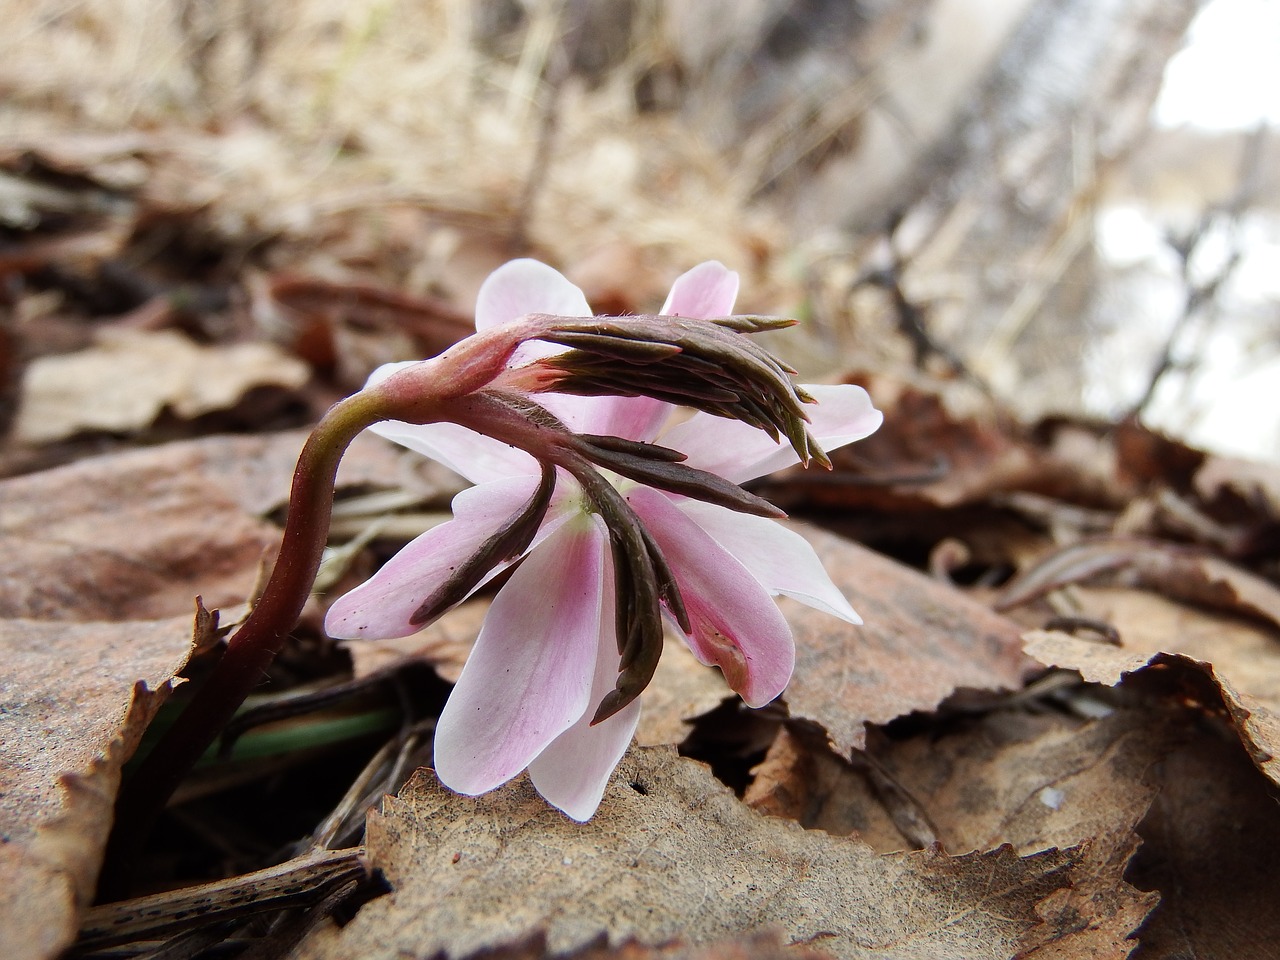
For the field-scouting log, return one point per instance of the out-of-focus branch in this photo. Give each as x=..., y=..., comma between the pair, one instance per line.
x=1199, y=296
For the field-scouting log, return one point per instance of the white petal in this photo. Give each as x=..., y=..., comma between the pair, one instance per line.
x=478, y=458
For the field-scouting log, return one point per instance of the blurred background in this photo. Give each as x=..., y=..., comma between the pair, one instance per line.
x=1039, y=206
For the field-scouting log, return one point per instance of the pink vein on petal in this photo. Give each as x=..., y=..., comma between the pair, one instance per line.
x=736, y=624
x=529, y=677
x=574, y=769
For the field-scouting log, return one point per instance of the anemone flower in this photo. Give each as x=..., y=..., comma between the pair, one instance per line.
x=548, y=654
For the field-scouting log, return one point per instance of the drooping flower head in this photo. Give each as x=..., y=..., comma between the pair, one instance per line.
x=552, y=680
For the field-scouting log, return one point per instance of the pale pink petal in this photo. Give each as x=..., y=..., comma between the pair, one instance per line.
x=574, y=769
x=708, y=290
x=528, y=679
x=521, y=287
x=740, y=452
x=780, y=559
x=380, y=607
x=736, y=624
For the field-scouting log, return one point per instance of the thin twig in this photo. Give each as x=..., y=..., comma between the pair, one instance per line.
x=296, y=882
x=1198, y=296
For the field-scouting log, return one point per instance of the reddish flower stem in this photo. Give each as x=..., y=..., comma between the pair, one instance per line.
x=253, y=647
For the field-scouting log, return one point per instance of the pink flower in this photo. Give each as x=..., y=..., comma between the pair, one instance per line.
x=547, y=653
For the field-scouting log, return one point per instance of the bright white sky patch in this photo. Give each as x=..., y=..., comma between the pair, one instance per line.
x=1228, y=76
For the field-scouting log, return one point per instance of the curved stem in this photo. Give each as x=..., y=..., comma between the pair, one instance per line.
x=253, y=647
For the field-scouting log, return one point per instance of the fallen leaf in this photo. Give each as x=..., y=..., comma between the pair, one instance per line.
x=1146, y=456
x=1245, y=487
x=256, y=470
x=138, y=535
x=934, y=450
x=123, y=383
x=1242, y=658
x=921, y=642
x=76, y=698
x=127, y=536
x=682, y=689
x=804, y=781
x=1208, y=846
x=672, y=852
x=1036, y=781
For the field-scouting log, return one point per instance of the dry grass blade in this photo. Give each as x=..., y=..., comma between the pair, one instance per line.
x=294, y=883
x=1188, y=574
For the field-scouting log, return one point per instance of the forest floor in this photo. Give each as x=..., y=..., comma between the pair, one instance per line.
x=1054, y=736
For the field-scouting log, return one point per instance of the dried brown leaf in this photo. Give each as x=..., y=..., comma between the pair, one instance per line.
x=673, y=853
x=123, y=383
x=922, y=641
x=1242, y=658
x=1034, y=781
x=933, y=451
x=129, y=536
x=1208, y=846
x=804, y=781
x=75, y=698
x=1255, y=487
x=138, y=535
